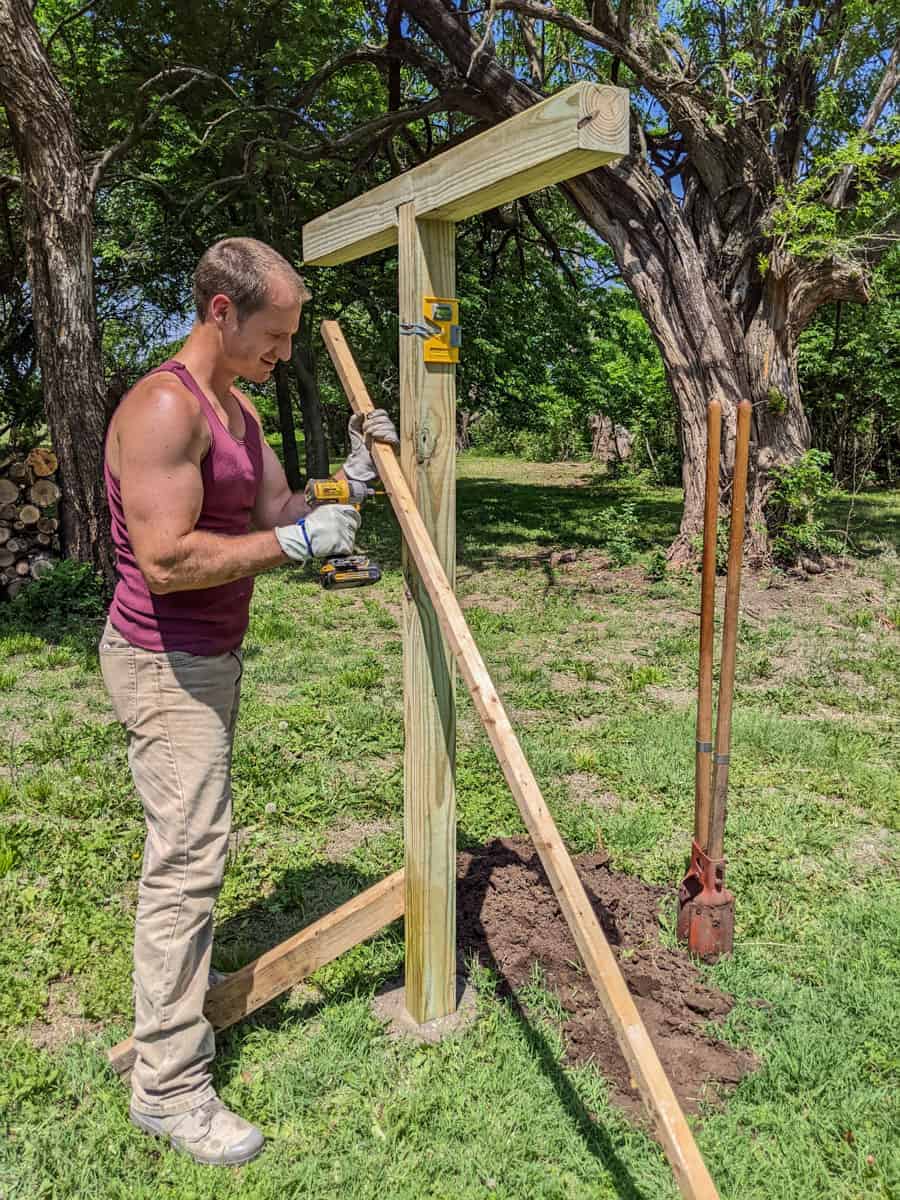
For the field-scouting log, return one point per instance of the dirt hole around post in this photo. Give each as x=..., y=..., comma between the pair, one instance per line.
x=508, y=916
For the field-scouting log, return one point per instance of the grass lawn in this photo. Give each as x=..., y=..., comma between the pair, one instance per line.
x=597, y=666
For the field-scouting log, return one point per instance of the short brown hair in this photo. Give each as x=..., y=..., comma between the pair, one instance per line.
x=239, y=268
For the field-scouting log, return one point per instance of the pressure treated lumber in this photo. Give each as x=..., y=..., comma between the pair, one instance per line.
x=678, y=1142
x=578, y=129
x=427, y=267
x=286, y=964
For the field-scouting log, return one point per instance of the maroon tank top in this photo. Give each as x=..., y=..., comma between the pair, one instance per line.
x=209, y=620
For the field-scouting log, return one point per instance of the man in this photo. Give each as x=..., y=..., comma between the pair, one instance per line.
x=199, y=505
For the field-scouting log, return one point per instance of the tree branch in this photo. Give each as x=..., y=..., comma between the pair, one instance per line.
x=531, y=48
x=142, y=123
x=433, y=70
x=651, y=57
x=838, y=195
x=821, y=283
x=549, y=241
x=91, y=5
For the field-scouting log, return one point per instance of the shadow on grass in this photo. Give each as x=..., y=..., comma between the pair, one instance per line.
x=299, y=898
x=302, y=897
x=869, y=521
x=494, y=514
x=596, y=1139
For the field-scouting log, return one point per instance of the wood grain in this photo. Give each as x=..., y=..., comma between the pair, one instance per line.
x=674, y=1133
x=427, y=251
x=582, y=127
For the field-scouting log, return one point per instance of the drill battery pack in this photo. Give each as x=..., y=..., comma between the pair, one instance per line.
x=354, y=571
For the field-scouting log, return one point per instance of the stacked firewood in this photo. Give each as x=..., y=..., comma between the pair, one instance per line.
x=29, y=521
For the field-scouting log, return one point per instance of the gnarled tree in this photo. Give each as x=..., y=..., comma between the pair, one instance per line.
x=756, y=190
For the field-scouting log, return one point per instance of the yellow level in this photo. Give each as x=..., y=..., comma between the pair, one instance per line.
x=442, y=314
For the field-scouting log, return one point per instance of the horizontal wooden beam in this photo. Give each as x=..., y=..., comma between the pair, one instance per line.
x=582, y=127
x=674, y=1132
x=287, y=963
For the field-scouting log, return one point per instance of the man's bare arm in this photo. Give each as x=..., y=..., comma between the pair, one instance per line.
x=160, y=450
x=275, y=504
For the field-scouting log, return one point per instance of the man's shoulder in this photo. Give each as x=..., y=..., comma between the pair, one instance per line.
x=160, y=400
x=159, y=417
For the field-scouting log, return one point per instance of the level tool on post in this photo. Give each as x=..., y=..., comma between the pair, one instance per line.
x=705, y=905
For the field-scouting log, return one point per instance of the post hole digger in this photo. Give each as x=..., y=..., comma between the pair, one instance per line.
x=705, y=905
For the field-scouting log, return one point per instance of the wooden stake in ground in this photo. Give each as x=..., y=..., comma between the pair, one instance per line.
x=690, y=1171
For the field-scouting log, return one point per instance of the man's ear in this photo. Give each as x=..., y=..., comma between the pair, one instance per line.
x=219, y=308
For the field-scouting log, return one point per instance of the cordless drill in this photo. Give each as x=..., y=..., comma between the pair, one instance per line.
x=354, y=570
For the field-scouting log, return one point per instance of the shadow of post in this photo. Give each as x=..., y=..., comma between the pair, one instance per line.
x=596, y=1139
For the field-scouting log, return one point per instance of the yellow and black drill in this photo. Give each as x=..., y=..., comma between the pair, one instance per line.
x=354, y=570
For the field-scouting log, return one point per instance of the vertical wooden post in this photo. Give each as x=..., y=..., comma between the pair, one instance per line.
x=428, y=458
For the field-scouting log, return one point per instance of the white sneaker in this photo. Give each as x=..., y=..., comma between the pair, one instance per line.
x=209, y=1134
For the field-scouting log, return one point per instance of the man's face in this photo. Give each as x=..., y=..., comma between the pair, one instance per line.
x=252, y=347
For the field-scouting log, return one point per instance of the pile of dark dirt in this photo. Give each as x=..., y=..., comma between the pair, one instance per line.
x=508, y=916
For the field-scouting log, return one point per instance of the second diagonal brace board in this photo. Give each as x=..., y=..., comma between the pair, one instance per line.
x=688, y=1167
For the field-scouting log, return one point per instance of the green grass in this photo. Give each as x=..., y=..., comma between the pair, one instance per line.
x=597, y=667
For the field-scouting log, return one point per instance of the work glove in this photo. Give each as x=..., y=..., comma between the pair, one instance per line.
x=326, y=532
x=379, y=427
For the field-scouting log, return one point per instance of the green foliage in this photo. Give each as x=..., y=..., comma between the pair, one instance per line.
x=850, y=381
x=809, y=226
x=7, y=854
x=799, y=494
x=657, y=566
x=69, y=596
x=618, y=531
x=629, y=385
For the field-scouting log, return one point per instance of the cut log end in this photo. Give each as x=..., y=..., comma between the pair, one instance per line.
x=42, y=461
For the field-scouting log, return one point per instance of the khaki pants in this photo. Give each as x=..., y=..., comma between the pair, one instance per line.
x=179, y=712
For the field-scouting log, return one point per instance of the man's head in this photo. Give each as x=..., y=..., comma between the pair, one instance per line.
x=251, y=296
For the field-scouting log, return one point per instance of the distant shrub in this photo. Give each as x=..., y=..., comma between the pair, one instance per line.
x=794, y=514
x=617, y=532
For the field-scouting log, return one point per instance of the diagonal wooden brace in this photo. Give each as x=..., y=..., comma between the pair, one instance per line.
x=287, y=963
x=678, y=1142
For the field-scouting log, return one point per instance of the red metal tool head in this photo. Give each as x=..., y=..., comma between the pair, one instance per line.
x=706, y=908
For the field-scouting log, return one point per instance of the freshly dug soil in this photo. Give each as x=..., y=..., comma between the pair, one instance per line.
x=508, y=915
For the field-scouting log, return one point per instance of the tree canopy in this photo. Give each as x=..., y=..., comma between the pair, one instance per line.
x=761, y=189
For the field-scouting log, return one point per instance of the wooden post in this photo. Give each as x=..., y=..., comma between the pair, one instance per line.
x=674, y=1132
x=428, y=457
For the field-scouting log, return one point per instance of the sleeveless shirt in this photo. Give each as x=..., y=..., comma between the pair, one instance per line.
x=209, y=620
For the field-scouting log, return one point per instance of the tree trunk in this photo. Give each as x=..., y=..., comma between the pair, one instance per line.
x=286, y=423
x=317, y=463
x=58, y=226
x=692, y=262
